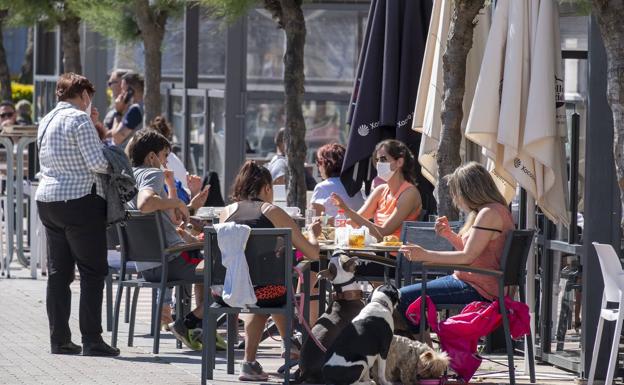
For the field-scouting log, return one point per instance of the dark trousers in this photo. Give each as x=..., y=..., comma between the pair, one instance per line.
x=76, y=231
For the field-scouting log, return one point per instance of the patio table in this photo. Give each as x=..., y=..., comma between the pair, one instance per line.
x=366, y=253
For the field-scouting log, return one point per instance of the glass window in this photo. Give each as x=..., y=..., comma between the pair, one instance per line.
x=325, y=123
x=197, y=135
x=173, y=47
x=574, y=32
x=331, y=51
x=211, y=46
x=177, y=121
x=216, y=155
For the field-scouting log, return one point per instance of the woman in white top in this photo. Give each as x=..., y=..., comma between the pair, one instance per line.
x=329, y=160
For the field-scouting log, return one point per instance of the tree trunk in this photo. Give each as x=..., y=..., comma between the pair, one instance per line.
x=5, y=74
x=294, y=26
x=152, y=26
x=458, y=44
x=26, y=71
x=70, y=40
x=609, y=15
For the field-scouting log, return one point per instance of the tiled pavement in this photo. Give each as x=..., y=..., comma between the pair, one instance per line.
x=25, y=357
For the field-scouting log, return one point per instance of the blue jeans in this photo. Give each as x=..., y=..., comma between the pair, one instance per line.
x=443, y=290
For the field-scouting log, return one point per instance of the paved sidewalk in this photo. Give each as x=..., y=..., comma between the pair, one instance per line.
x=25, y=353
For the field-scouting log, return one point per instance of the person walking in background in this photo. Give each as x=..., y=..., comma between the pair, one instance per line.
x=278, y=165
x=329, y=160
x=72, y=208
x=114, y=84
x=129, y=107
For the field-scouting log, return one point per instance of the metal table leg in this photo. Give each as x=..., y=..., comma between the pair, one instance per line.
x=9, y=211
x=22, y=143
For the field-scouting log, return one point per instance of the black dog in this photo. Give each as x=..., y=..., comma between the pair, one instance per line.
x=347, y=305
x=365, y=341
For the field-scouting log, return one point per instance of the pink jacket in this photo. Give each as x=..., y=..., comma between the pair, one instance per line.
x=460, y=334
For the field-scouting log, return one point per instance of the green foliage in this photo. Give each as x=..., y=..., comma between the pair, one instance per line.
x=116, y=18
x=230, y=9
x=27, y=12
x=581, y=7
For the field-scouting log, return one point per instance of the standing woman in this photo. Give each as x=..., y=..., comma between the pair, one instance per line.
x=73, y=211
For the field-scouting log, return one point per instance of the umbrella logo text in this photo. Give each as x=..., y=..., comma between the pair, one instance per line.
x=518, y=164
x=559, y=93
x=363, y=130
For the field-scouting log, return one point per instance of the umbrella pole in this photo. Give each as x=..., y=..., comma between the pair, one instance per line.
x=530, y=279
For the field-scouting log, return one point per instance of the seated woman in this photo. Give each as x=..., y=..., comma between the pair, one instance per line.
x=329, y=160
x=394, y=202
x=253, y=193
x=479, y=243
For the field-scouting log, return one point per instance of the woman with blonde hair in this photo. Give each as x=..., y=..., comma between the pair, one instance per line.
x=478, y=244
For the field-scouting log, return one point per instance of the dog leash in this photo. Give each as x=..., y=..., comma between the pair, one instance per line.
x=299, y=306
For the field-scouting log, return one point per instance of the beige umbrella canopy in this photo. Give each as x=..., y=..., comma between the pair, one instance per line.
x=430, y=90
x=515, y=115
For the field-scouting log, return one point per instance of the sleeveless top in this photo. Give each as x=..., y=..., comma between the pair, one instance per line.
x=387, y=204
x=490, y=258
x=250, y=213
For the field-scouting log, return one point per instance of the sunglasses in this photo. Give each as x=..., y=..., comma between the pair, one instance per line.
x=7, y=115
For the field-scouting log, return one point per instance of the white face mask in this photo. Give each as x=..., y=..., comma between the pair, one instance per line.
x=88, y=109
x=384, y=171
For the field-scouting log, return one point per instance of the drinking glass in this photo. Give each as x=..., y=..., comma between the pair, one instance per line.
x=433, y=218
x=357, y=238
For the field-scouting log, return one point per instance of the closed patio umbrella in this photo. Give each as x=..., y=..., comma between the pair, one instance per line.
x=386, y=84
x=427, y=118
x=516, y=115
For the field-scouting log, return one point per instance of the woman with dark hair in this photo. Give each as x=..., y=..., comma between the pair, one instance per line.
x=479, y=243
x=394, y=202
x=72, y=207
x=329, y=160
x=252, y=194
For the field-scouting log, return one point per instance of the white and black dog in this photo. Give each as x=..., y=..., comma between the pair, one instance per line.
x=346, y=306
x=365, y=341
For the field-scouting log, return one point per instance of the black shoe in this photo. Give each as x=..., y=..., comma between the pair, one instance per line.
x=101, y=349
x=66, y=348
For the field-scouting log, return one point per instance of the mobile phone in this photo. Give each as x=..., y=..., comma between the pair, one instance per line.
x=129, y=95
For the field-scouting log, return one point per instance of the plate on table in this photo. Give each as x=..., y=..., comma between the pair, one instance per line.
x=388, y=245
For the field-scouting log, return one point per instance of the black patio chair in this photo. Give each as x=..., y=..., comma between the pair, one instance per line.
x=142, y=240
x=269, y=255
x=422, y=234
x=512, y=273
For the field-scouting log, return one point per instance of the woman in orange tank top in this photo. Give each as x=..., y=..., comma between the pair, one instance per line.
x=479, y=243
x=394, y=202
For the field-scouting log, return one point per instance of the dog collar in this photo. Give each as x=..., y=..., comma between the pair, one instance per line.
x=338, y=286
x=383, y=303
x=349, y=295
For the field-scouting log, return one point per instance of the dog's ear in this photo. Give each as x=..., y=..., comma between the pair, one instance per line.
x=328, y=274
x=350, y=265
x=426, y=356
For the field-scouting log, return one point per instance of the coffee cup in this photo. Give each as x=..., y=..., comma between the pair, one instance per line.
x=292, y=211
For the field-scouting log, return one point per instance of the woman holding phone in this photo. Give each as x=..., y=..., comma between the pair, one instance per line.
x=129, y=106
